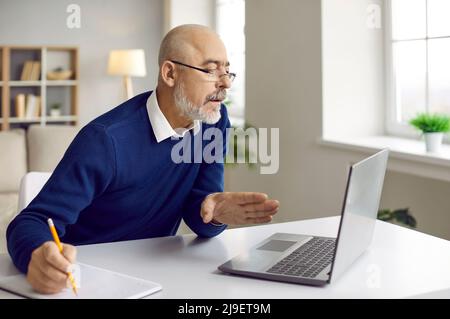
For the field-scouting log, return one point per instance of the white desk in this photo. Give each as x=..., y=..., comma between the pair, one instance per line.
x=400, y=263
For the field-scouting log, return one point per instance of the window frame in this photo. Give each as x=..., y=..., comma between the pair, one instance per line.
x=392, y=126
x=237, y=117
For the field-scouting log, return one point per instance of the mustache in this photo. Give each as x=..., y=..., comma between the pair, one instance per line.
x=221, y=95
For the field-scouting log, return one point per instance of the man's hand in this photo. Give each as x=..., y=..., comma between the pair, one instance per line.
x=47, y=270
x=238, y=208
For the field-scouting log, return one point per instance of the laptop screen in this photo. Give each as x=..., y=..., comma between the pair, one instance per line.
x=360, y=210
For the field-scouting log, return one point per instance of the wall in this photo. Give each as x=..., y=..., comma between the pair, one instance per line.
x=426, y=198
x=105, y=25
x=177, y=12
x=353, y=77
x=284, y=89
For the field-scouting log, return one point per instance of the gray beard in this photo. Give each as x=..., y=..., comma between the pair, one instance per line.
x=188, y=109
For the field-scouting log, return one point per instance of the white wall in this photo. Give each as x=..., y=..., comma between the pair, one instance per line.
x=353, y=77
x=105, y=25
x=284, y=89
x=427, y=199
x=177, y=12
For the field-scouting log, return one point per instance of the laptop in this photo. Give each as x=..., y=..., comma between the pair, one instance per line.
x=313, y=260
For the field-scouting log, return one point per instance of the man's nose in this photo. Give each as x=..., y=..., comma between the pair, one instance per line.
x=224, y=82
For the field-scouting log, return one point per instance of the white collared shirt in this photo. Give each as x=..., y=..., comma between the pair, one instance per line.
x=161, y=126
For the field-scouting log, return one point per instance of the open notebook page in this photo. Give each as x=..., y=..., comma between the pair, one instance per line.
x=96, y=283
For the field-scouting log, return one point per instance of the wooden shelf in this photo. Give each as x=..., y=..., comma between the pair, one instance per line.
x=39, y=83
x=67, y=118
x=48, y=119
x=61, y=83
x=24, y=120
x=13, y=59
x=24, y=83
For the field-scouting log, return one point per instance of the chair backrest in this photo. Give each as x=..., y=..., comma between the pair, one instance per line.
x=13, y=159
x=47, y=144
x=30, y=185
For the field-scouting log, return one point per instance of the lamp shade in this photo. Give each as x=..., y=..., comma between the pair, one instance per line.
x=127, y=63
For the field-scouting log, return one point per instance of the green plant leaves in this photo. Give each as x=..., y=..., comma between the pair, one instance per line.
x=431, y=123
x=401, y=216
x=239, y=152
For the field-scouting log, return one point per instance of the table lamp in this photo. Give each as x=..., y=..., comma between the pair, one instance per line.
x=127, y=63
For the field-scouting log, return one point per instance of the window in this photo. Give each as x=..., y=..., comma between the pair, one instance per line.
x=230, y=24
x=418, y=56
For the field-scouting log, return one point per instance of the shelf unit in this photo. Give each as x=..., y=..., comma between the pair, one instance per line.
x=63, y=92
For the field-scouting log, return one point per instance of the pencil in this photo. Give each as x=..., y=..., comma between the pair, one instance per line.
x=58, y=243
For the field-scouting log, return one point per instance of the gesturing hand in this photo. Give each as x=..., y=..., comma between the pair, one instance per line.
x=238, y=208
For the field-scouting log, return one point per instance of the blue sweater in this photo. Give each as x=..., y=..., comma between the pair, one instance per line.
x=115, y=183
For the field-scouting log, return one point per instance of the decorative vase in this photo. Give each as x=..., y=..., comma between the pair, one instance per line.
x=55, y=112
x=433, y=141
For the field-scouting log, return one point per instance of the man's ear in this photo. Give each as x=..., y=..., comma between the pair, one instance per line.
x=168, y=73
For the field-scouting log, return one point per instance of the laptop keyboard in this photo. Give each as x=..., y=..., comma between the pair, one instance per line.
x=308, y=260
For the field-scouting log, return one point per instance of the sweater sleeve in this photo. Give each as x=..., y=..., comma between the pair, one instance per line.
x=85, y=171
x=209, y=180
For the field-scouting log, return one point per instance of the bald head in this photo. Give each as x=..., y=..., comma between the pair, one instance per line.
x=191, y=82
x=186, y=41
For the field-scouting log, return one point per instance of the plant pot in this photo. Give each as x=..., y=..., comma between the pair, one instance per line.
x=433, y=141
x=55, y=112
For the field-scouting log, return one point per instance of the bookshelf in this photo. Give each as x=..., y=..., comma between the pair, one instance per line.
x=33, y=80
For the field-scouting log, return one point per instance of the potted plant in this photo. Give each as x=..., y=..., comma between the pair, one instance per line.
x=433, y=127
x=238, y=151
x=400, y=216
x=55, y=110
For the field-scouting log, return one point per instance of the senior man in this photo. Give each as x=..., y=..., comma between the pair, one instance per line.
x=118, y=179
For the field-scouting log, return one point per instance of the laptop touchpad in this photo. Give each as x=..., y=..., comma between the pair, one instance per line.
x=277, y=245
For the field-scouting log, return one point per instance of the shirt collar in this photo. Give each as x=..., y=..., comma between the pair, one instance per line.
x=161, y=127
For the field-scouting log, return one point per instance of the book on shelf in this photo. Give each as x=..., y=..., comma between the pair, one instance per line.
x=35, y=71
x=31, y=71
x=20, y=105
x=33, y=106
x=26, y=70
x=37, y=110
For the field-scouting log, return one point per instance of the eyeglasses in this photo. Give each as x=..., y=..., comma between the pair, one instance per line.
x=214, y=75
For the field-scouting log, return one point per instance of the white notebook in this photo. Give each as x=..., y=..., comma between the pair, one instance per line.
x=96, y=283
